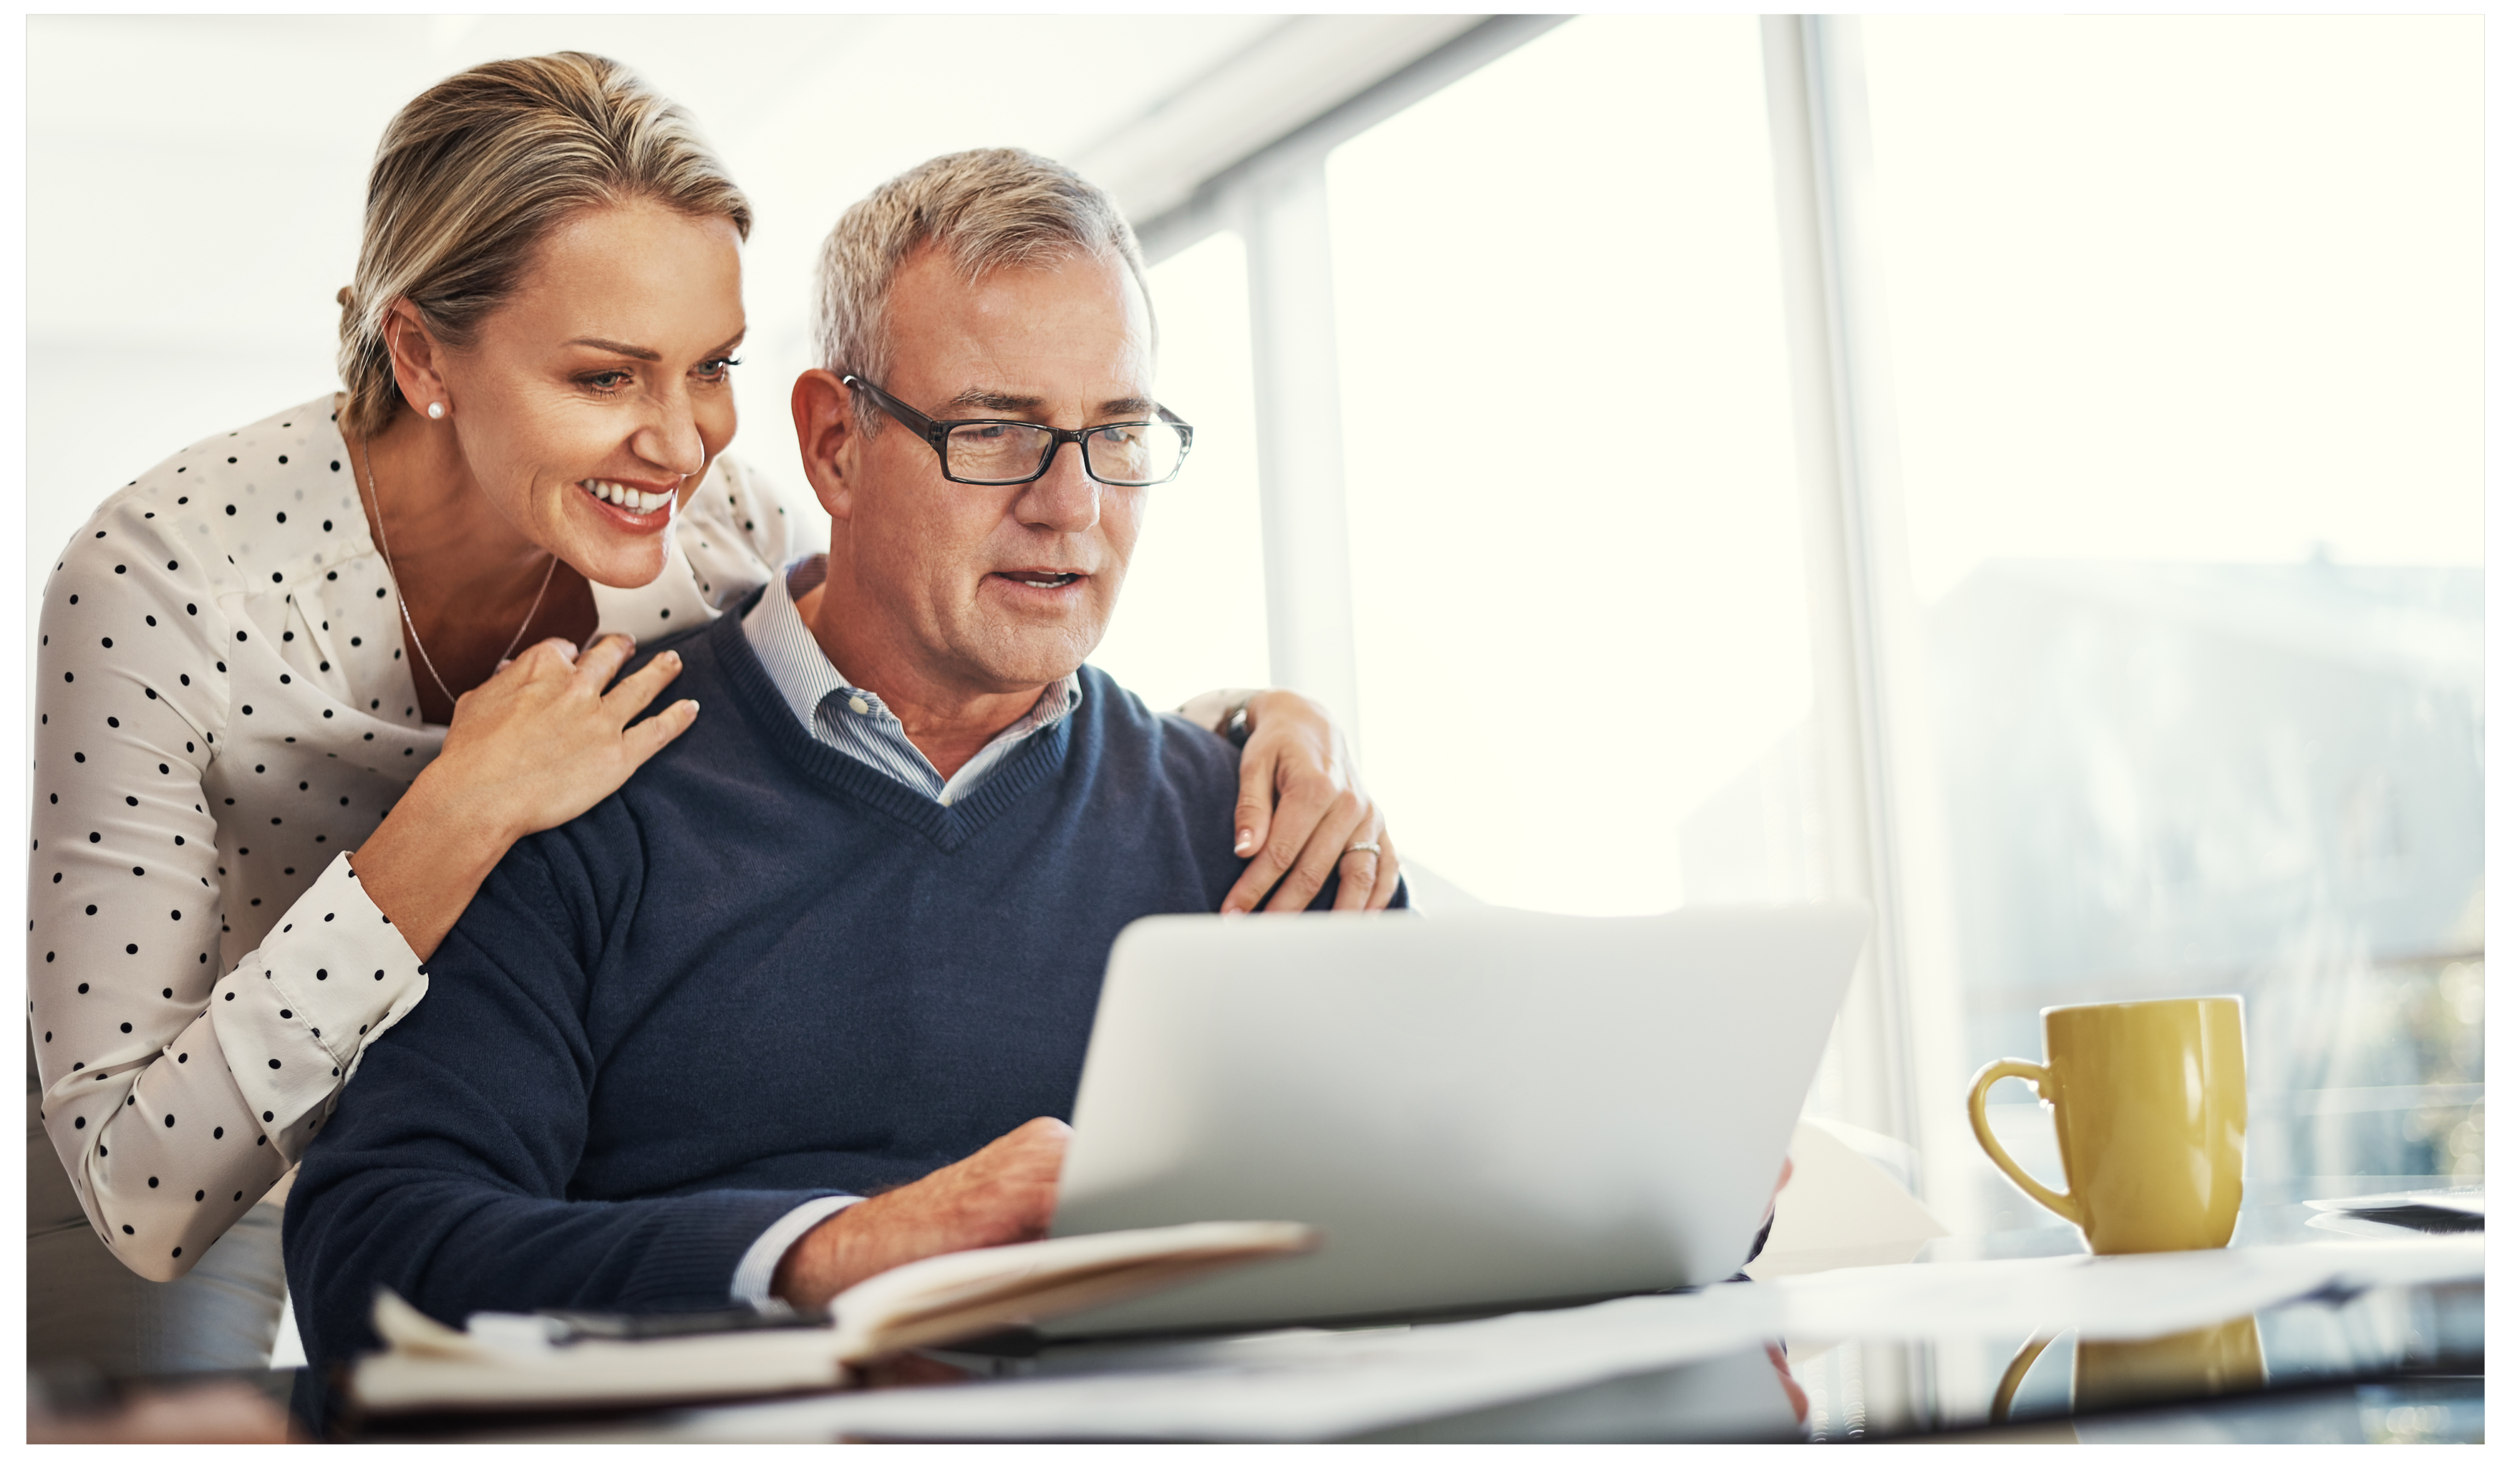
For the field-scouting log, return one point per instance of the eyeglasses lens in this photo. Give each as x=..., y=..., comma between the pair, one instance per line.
x=995, y=452
x=1124, y=453
x=1132, y=452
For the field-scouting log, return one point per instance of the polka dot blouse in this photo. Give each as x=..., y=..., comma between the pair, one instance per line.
x=223, y=711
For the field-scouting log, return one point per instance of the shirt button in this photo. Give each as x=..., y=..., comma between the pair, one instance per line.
x=858, y=705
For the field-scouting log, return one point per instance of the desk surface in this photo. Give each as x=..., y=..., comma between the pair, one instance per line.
x=2377, y=1363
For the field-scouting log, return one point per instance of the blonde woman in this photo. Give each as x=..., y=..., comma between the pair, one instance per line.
x=301, y=686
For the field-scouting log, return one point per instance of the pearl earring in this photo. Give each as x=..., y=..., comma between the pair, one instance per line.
x=437, y=411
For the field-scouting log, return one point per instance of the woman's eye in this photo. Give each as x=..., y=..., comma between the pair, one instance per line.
x=607, y=380
x=718, y=369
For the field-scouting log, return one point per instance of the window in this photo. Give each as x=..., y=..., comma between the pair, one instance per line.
x=1570, y=477
x=2188, y=373
x=1195, y=614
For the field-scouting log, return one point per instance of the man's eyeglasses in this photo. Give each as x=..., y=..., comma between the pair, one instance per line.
x=1001, y=455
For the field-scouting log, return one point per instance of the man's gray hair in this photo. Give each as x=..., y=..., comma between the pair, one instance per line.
x=988, y=208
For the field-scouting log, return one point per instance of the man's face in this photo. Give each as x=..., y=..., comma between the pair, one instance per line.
x=998, y=590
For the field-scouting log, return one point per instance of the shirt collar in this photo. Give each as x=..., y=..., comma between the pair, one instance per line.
x=806, y=678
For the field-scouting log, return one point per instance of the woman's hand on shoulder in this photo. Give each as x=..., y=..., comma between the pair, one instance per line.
x=529, y=749
x=1302, y=813
x=544, y=740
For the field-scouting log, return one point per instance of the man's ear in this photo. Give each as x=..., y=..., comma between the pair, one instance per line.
x=418, y=359
x=828, y=438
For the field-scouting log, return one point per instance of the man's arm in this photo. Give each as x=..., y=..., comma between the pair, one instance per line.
x=444, y=1174
x=1003, y=1195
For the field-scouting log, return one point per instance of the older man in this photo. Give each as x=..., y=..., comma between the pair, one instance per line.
x=850, y=928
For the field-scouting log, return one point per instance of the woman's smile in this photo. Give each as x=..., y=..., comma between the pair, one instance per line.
x=640, y=509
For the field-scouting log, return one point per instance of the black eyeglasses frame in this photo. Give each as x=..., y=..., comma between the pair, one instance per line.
x=934, y=433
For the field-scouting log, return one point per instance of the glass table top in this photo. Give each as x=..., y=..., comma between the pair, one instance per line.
x=2392, y=1364
x=2385, y=1364
x=2382, y=1363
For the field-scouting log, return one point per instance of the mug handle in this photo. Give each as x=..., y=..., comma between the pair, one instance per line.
x=2067, y=1204
x=2001, y=1409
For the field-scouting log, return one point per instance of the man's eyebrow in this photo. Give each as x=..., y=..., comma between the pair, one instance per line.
x=982, y=398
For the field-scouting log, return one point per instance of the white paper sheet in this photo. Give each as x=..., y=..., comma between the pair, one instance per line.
x=2119, y=1297
x=1292, y=1386
x=1840, y=1209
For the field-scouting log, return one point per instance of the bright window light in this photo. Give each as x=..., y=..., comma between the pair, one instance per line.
x=1570, y=474
x=2212, y=288
x=2187, y=330
x=1195, y=614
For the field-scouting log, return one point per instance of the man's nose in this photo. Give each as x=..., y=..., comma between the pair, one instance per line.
x=1064, y=499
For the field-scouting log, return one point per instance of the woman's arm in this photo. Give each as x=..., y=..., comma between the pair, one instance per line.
x=163, y=1146
x=1303, y=808
x=174, y=1095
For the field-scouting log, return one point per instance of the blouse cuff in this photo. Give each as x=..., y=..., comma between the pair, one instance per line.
x=295, y=1016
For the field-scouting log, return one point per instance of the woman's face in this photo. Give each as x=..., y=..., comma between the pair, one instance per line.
x=590, y=403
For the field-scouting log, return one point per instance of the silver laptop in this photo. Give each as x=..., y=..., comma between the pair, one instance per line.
x=1485, y=1111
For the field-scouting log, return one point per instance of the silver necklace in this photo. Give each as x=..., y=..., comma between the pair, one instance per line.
x=404, y=604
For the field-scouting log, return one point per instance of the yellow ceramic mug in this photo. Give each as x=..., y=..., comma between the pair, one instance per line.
x=2152, y=1108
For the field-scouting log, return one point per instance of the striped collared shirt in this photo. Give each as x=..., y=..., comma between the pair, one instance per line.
x=855, y=721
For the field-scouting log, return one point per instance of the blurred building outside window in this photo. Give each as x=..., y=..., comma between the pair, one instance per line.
x=2188, y=373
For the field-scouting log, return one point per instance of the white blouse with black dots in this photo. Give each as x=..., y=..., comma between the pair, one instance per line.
x=223, y=711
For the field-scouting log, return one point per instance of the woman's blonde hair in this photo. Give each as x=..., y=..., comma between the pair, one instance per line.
x=473, y=173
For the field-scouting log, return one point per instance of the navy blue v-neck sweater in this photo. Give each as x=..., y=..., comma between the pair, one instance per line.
x=760, y=973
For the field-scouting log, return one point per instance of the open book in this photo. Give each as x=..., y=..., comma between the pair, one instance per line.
x=511, y=1362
